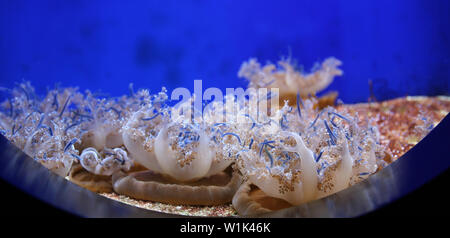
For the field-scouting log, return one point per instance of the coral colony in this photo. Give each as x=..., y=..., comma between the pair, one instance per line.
x=139, y=146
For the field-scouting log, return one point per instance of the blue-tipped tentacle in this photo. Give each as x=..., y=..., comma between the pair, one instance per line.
x=151, y=118
x=270, y=157
x=330, y=133
x=251, y=143
x=115, y=110
x=73, y=141
x=232, y=134
x=65, y=105
x=298, y=105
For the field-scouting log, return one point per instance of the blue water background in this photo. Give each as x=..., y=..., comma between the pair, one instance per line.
x=402, y=46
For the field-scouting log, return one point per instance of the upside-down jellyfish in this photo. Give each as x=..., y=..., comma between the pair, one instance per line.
x=139, y=146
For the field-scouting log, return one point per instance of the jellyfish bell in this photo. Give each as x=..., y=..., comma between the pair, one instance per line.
x=139, y=134
x=145, y=118
x=308, y=168
x=56, y=162
x=221, y=158
x=105, y=121
x=48, y=144
x=180, y=161
x=296, y=167
x=290, y=81
x=102, y=135
x=183, y=165
x=288, y=178
x=337, y=175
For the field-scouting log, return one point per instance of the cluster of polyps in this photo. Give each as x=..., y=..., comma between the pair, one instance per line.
x=38, y=128
x=55, y=129
x=292, y=154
